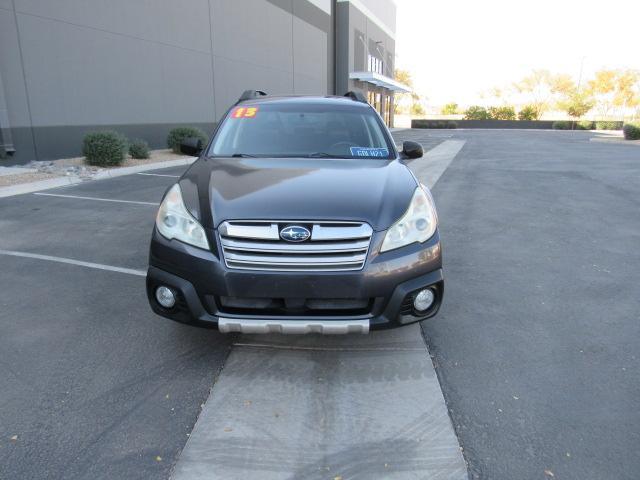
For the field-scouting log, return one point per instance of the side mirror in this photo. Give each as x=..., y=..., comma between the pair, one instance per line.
x=412, y=149
x=191, y=146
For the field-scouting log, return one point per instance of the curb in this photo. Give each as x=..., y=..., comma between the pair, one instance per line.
x=72, y=180
x=118, y=172
x=615, y=140
x=15, y=170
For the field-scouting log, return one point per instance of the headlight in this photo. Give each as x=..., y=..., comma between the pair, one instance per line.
x=174, y=221
x=417, y=224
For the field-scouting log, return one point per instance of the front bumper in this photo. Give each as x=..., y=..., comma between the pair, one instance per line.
x=199, y=278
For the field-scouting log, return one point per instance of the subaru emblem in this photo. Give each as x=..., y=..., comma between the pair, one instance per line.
x=295, y=233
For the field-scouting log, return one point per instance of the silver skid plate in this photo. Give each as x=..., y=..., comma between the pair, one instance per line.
x=325, y=327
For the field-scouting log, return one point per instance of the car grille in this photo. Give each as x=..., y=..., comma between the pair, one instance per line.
x=333, y=246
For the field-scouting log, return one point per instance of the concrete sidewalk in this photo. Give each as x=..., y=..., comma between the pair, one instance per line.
x=314, y=407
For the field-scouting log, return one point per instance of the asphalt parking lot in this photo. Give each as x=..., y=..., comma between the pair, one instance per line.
x=93, y=385
x=535, y=348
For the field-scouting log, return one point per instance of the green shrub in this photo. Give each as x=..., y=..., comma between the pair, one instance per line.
x=452, y=124
x=585, y=125
x=476, y=112
x=450, y=109
x=528, y=112
x=631, y=131
x=104, y=149
x=506, y=112
x=562, y=125
x=608, y=125
x=139, y=149
x=177, y=135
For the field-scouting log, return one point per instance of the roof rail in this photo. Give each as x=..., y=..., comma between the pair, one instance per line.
x=249, y=94
x=356, y=96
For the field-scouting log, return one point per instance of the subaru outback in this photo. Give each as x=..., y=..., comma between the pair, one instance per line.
x=299, y=216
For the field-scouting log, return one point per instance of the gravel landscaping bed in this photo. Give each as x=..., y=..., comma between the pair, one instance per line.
x=8, y=180
x=76, y=167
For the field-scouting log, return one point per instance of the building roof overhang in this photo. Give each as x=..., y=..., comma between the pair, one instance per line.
x=380, y=81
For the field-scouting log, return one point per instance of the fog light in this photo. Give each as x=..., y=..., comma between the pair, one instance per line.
x=423, y=300
x=165, y=297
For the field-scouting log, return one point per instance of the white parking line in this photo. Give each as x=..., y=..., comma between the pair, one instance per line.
x=70, y=261
x=436, y=161
x=158, y=175
x=96, y=198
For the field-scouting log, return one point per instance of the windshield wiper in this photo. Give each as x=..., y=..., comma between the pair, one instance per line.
x=233, y=155
x=324, y=155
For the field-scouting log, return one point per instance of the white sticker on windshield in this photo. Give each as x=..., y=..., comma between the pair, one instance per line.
x=369, y=152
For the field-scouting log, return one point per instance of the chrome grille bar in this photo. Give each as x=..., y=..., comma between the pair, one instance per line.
x=333, y=246
x=278, y=247
x=320, y=232
x=267, y=231
x=296, y=259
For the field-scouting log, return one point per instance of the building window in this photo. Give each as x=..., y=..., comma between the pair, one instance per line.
x=375, y=65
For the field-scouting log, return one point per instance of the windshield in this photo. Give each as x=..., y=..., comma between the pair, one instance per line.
x=301, y=130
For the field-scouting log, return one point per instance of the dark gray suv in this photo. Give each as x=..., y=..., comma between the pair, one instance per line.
x=300, y=216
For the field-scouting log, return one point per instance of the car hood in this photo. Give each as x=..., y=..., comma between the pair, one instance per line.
x=374, y=191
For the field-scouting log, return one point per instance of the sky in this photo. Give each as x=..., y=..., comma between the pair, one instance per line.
x=456, y=49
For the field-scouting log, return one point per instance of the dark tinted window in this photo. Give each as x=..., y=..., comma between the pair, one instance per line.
x=302, y=130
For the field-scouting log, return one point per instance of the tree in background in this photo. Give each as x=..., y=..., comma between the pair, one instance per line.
x=576, y=104
x=416, y=109
x=528, y=112
x=403, y=76
x=450, y=109
x=407, y=102
x=543, y=89
x=614, y=90
x=402, y=102
x=495, y=94
x=603, y=89
x=628, y=92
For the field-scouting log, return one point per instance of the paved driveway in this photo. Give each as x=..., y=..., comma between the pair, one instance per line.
x=536, y=346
